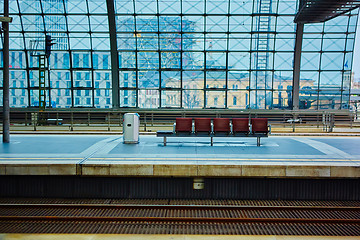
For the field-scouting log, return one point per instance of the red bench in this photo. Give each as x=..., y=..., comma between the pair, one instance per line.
x=218, y=127
x=203, y=125
x=259, y=125
x=183, y=125
x=241, y=125
x=222, y=125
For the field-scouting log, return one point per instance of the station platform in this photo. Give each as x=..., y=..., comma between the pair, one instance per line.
x=107, y=155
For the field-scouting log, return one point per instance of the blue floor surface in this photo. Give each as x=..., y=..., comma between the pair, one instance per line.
x=95, y=148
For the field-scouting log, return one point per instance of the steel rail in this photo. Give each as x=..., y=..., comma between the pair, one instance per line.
x=200, y=207
x=178, y=219
x=181, y=207
x=165, y=213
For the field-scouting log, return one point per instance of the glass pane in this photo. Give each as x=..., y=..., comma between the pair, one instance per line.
x=81, y=60
x=147, y=41
x=79, y=23
x=29, y=6
x=170, y=79
x=126, y=42
x=127, y=79
x=82, y=78
x=193, y=98
x=170, y=60
x=149, y=98
x=237, y=99
x=332, y=61
x=310, y=61
x=171, y=24
x=60, y=79
x=145, y=6
x=148, y=79
x=124, y=6
x=217, y=6
x=170, y=98
x=238, y=80
x=215, y=79
x=193, y=80
x=127, y=60
x=286, y=42
x=128, y=98
x=99, y=23
x=61, y=97
x=101, y=60
x=169, y=6
x=239, y=60
x=309, y=79
x=191, y=6
x=76, y=6
x=281, y=100
x=216, y=23
x=102, y=79
x=239, y=42
x=96, y=6
x=102, y=98
x=193, y=60
x=80, y=41
x=170, y=41
x=83, y=98
x=284, y=61
x=215, y=99
x=55, y=23
x=18, y=98
x=148, y=60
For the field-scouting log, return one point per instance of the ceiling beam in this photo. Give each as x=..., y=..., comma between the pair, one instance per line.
x=315, y=11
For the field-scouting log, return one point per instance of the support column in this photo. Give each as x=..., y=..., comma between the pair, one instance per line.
x=297, y=61
x=114, y=54
x=6, y=92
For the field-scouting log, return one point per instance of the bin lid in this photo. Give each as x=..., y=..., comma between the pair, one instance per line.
x=136, y=114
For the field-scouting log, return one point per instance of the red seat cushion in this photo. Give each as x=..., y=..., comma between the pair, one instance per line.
x=183, y=125
x=259, y=125
x=202, y=125
x=221, y=125
x=240, y=125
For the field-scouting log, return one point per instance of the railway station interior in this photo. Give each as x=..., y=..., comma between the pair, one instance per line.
x=180, y=119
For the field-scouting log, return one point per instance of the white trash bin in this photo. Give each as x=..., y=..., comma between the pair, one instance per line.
x=131, y=123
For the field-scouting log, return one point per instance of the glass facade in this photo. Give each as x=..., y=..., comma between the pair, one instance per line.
x=189, y=54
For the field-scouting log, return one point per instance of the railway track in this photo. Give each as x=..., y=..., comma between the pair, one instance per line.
x=262, y=219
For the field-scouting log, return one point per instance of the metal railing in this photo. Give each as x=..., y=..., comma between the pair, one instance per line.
x=110, y=120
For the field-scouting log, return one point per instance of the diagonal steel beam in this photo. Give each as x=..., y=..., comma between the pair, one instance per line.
x=114, y=54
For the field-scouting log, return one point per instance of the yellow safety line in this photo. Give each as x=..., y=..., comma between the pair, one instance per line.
x=232, y=159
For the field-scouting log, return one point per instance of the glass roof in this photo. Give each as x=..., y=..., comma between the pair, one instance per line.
x=189, y=54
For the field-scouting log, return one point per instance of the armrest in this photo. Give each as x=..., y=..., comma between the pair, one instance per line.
x=212, y=127
x=250, y=128
x=193, y=127
x=231, y=127
x=269, y=128
x=174, y=127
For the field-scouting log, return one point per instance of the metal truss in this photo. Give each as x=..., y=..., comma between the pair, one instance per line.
x=179, y=54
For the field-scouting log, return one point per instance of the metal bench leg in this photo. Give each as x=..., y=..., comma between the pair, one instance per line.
x=212, y=141
x=164, y=141
x=258, y=141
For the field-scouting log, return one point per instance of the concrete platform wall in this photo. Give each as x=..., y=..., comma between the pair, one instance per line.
x=179, y=188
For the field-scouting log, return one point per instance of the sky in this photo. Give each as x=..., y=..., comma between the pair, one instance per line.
x=356, y=63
